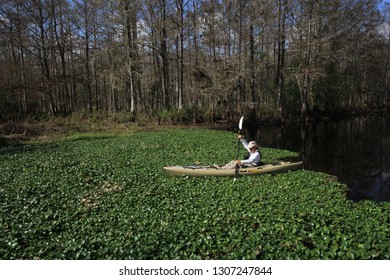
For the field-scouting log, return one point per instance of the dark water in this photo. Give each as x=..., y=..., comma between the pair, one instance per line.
x=357, y=151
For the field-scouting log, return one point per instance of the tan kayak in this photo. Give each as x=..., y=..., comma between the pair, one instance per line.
x=207, y=170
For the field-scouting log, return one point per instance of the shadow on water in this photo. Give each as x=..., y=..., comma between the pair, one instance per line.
x=357, y=151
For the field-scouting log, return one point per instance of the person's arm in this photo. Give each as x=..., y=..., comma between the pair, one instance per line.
x=244, y=143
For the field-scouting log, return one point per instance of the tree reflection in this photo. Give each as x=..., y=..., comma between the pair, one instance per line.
x=355, y=150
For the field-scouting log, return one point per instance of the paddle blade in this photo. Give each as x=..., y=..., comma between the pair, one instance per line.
x=240, y=123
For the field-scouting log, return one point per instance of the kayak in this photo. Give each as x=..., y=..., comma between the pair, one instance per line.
x=211, y=170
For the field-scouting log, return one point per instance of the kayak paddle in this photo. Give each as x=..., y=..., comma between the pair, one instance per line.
x=238, y=147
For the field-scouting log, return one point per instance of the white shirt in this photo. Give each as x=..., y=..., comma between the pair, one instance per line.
x=254, y=157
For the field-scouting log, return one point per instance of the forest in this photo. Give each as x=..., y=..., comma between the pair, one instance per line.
x=193, y=60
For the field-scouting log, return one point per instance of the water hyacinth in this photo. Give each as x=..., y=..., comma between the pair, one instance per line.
x=109, y=198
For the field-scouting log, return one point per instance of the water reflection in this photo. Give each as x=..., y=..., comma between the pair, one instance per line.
x=357, y=151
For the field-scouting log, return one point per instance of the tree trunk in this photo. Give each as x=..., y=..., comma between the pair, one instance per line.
x=279, y=81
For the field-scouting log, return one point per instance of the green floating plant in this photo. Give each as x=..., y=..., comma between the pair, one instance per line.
x=109, y=198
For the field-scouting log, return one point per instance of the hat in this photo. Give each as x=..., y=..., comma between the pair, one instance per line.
x=252, y=144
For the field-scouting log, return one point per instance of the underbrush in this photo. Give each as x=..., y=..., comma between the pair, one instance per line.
x=108, y=197
x=48, y=128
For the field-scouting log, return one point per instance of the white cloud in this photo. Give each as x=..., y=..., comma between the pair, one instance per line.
x=384, y=30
